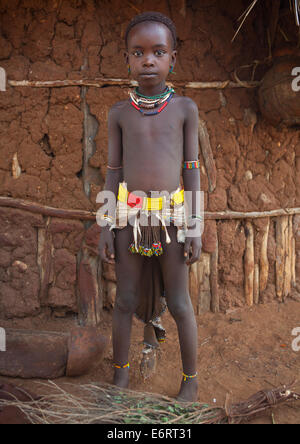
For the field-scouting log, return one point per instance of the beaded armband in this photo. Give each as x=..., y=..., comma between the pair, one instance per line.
x=195, y=216
x=114, y=168
x=191, y=164
x=109, y=220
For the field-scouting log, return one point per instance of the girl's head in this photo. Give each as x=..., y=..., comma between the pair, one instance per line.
x=153, y=16
x=150, y=47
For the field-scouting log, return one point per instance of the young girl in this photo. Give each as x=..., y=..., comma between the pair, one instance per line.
x=153, y=136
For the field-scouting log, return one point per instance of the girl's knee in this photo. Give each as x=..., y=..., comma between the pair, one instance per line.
x=180, y=307
x=126, y=301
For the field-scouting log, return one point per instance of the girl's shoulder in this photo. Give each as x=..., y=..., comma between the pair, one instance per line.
x=188, y=105
x=185, y=101
x=117, y=108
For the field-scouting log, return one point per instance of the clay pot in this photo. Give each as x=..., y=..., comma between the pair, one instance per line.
x=279, y=103
x=49, y=355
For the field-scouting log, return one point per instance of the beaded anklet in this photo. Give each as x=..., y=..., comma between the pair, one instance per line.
x=121, y=366
x=186, y=377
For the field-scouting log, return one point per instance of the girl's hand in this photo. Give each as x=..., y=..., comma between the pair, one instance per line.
x=192, y=249
x=107, y=245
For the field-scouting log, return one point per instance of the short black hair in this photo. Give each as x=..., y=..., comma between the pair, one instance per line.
x=153, y=16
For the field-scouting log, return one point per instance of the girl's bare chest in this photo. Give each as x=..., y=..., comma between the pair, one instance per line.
x=168, y=122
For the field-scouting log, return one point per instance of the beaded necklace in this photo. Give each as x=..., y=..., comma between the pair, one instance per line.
x=139, y=101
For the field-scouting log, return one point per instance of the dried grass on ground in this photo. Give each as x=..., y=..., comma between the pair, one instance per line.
x=106, y=404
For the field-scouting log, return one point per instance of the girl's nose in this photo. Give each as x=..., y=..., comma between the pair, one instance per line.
x=148, y=61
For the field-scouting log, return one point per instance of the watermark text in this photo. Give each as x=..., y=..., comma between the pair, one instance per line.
x=2, y=79
x=296, y=81
x=2, y=340
x=164, y=209
x=296, y=341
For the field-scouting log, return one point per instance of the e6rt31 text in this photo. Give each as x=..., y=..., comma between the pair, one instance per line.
x=163, y=433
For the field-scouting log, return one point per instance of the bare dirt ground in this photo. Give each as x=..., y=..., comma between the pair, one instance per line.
x=240, y=353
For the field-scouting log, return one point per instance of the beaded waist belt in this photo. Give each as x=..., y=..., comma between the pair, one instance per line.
x=147, y=240
x=148, y=203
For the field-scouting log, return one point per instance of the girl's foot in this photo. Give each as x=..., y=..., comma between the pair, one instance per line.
x=188, y=390
x=121, y=376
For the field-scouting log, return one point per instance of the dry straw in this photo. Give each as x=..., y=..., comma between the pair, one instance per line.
x=106, y=404
x=294, y=7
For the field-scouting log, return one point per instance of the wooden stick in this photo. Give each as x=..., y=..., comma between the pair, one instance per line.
x=281, y=226
x=98, y=83
x=101, y=82
x=264, y=262
x=291, y=242
x=89, y=291
x=34, y=207
x=292, y=252
x=296, y=258
x=203, y=272
x=44, y=260
x=207, y=156
x=214, y=278
x=256, y=284
x=250, y=215
x=293, y=264
x=218, y=85
x=288, y=258
x=249, y=264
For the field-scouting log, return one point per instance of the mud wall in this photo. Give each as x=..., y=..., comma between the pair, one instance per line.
x=58, y=136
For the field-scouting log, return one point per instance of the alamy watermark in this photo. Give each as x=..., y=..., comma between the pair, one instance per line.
x=296, y=81
x=296, y=341
x=169, y=212
x=2, y=340
x=2, y=79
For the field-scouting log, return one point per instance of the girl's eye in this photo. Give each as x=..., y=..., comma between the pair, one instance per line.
x=160, y=52
x=137, y=53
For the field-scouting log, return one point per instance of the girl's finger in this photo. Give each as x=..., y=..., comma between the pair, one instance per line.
x=187, y=247
x=111, y=251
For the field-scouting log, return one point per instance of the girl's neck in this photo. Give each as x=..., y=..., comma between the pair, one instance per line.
x=152, y=90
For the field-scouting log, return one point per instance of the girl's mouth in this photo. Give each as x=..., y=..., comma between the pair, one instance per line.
x=148, y=74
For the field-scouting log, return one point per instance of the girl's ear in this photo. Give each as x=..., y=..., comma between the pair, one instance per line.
x=126, y=57
x=173, y=57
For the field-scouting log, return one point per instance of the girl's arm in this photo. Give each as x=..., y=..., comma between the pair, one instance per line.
x=191, y=182
x=114, y=173
x=114, y=176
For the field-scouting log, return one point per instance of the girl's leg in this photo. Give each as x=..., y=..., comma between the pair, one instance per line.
x=128, y=273
x=175, y=274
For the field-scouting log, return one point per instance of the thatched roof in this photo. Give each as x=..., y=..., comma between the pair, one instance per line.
x=294, y=6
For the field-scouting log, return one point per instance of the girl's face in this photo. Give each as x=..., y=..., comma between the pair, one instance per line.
x=150, y=53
